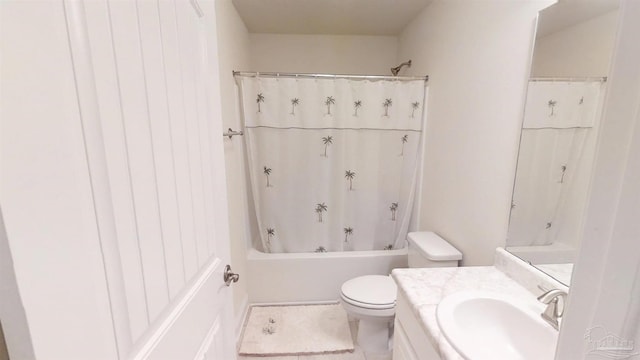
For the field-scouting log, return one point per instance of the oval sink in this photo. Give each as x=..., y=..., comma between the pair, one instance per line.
x=483, y=325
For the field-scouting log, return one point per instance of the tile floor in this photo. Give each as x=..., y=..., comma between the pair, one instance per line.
x=358, y=354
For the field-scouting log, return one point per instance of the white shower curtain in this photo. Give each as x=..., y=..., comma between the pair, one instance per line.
x=554, y=162
x=332, y=161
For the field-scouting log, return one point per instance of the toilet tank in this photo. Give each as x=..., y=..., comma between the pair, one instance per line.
x=427, y=249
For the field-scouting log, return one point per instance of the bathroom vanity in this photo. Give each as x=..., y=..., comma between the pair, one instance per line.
x=409, y=334
x=418, y=332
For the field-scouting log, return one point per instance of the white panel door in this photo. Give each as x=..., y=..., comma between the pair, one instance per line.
x=46, y=193
x=113, y=187
x=157, y=91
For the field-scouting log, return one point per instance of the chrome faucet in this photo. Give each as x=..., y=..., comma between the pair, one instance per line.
x=553, y=312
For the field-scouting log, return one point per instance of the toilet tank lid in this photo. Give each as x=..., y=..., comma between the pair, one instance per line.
x=433, y=247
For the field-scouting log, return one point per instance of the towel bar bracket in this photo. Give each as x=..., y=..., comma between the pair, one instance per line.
x=231, y=133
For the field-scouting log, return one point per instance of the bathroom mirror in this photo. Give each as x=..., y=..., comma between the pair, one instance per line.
x=573, y=48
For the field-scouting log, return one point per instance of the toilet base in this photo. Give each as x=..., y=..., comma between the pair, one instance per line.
x=373, y=336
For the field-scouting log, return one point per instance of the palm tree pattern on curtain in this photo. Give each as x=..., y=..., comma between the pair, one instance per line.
x=552, y=106
x=563, y=168
x=336, y=107
x=387, y=103
x=404, y=140
x=393, y=208
x=259, y=100
x=270, y=234
x=321, y=208
x=348, y=231
x=294, y=103
x=356, y=105
x=327, y=140
x=329, y=101
x=350, y=175
x=414, y=107
x=267, y=173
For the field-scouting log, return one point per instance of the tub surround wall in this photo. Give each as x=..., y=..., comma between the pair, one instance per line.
x=477, y=56
x=233, y=54
x=424, y=289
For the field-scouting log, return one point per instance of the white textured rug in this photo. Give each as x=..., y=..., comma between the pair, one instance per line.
x=296, y=330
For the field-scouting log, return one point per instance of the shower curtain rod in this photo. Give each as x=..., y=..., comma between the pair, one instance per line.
x=330, y=76
x=575, y=78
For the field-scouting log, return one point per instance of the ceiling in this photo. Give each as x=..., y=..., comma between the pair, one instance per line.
x=570, y=12
x=336, y=17
x=383, y=17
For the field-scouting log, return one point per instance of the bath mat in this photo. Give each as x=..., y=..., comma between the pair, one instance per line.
x=296, y=330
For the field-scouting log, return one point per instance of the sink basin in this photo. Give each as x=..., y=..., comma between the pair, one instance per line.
x=483, y=325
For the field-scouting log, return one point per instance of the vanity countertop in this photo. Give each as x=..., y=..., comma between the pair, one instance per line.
x=424, y=289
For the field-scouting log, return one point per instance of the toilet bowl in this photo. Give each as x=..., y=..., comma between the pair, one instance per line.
x=371, y=299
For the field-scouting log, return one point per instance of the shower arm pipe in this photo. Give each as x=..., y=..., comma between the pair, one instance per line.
x=396, y=70
x=569, y=79
x=329, y=76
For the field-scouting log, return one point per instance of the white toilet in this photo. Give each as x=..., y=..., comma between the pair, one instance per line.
x=372, y=298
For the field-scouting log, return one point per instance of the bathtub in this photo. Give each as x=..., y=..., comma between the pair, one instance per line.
x=313, y=277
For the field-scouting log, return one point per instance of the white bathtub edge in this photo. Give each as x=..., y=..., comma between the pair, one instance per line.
x=254, y=254
x=313, y=277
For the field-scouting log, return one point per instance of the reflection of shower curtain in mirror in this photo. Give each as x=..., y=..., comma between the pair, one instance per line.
x=332, y=161
x=554, y=163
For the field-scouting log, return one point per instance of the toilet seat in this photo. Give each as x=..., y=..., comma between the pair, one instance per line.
x=366, y=305
x=375, y=292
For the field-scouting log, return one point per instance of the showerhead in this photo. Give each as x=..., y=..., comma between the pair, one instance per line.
x=396, y=70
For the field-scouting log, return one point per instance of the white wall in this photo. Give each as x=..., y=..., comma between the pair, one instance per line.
x=233, y=54
x=606, y=280
x=332, y=54
x=584, y=49
x=477, y=56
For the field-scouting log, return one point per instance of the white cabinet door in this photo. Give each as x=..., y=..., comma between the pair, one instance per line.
x=410, y=339
x=402, y=349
